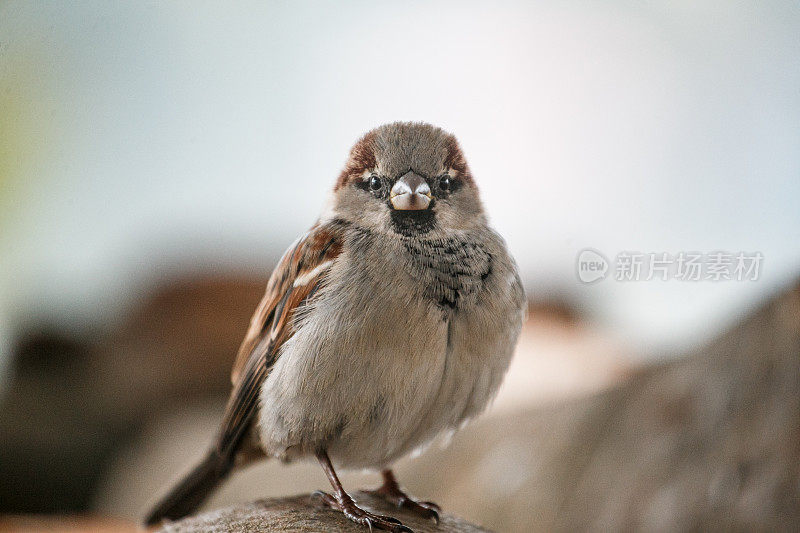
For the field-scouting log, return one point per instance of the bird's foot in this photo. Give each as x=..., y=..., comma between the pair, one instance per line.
x=348, y=507
x=392, y=493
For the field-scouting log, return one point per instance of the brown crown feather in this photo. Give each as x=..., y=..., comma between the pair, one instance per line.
x=455, y=160
x=362, y=157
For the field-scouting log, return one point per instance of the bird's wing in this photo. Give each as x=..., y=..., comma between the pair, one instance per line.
x=296, y=278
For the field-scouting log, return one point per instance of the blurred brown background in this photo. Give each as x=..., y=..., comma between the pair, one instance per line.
x=157, y=158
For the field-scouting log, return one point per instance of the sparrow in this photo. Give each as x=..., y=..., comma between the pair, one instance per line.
x=390, y=322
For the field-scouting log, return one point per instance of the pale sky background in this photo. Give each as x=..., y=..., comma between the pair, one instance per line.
x=141, y=139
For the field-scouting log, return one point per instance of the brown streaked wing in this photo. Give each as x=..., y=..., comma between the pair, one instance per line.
x=294, y=280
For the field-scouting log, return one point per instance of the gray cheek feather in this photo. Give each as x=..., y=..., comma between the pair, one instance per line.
x=379, y=365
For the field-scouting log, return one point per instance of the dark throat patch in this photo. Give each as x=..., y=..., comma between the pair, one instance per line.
x=413, y=223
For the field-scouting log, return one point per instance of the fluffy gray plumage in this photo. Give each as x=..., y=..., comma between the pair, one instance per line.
x=382, y=327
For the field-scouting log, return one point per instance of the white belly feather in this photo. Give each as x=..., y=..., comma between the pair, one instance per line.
x=371, y=383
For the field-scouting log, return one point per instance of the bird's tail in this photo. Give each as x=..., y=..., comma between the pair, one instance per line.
x=193, y=489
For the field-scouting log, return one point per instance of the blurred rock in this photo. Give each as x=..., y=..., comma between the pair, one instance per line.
x=73, y=401
x=177, y=344
x=53, y=439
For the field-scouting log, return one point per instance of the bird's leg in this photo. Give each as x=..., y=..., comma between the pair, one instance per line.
x=391, y=492
x=342, y=501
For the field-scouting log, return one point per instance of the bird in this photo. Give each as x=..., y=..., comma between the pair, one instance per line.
x=390, y=322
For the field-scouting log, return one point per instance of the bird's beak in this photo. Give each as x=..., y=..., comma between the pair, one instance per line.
x=411, y=192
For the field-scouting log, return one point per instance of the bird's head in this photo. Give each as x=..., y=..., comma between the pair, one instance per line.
x=409, y=179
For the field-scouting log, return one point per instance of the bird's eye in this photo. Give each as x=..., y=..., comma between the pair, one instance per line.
x=375, y=183
x=444, y=183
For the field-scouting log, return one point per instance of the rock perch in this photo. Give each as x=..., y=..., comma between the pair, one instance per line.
x=305, y=514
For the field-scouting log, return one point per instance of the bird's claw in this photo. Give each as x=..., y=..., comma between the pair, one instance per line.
x=402, y=501
x=432, y=505
x=360, y=516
